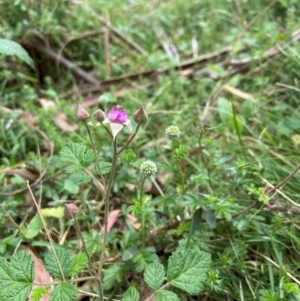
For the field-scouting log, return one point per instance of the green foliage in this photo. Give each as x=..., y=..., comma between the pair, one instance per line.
x=67, y=264
x=131, y=295
x=105, y=168
x=78, y=155
x=127, y=157
x=16, y=277
x=38, y=292
x=8, y=47
x=187, y=269
x=64, y=292
x=164, y=295
x=154, y=275
x=112, y=275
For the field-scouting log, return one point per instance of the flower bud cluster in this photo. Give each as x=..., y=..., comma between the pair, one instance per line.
x=173, y=132
x=148, y=168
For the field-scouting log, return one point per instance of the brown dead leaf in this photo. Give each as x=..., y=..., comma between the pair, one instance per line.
x=58, y=117
x=41, y=276
x=132, y=220
x=112, y=218
x=238, y=93
x=148, y=294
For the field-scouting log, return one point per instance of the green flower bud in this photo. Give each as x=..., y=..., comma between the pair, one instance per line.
x=173, y=132
x=148, y=168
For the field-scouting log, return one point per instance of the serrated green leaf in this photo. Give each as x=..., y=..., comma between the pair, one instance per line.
x=84, y=178
x=78, y=155
x=33, y=228
x=64, y=292
x=112, y=275
x=154, y=275
x=105, y=168
x=166, y=296
x=16, y=277
x=131, y=295
x=127, y=157
x=38, y=292
x=65, y=260
x=187, y=270
x=8, y=47
x=79, y=262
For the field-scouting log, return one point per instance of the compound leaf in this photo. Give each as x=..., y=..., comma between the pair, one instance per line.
x=79, y=262
x=154, y=275
x=187, y=269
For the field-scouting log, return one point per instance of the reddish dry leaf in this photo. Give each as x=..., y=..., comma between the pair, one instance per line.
x=132, y=220
x=112, y=218
x=41, y=276
x=58, y=117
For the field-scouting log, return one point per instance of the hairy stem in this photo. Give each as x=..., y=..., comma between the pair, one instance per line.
x=142, y=212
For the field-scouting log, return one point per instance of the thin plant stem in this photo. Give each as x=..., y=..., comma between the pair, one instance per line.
x=92, y=268
x=47, y=231
x=129, y=140
x=106, y=204
x=238, y=132
x=96, y=156
x=142, y=212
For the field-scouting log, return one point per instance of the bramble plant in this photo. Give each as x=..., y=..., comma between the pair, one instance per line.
x=187, y=267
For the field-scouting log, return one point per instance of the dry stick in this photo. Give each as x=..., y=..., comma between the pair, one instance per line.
x=65, y=62
x=39, y=179
x=107, y=56
x=187, y=65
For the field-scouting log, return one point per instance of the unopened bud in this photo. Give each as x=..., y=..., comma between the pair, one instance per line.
x=71, y=210
x=99, y=115
x=140, y=116
x=82, y=113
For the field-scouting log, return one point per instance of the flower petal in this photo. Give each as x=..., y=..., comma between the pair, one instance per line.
x=128, y=124
x=115, y=128
x=117, y=115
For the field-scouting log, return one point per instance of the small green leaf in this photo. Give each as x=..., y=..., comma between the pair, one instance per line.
x=84, y=178
x=131, y=295
x=66, y=263
x=38, y=292
x=16, y=277
x=64, y=292
x=166, y=296
x=8, y=47
x=154, y=275
x=112, y=275
x=79, y=262
x=105, y=168
x=210, y=218
x=33, y=228
x=127, y=157
x=187, y=269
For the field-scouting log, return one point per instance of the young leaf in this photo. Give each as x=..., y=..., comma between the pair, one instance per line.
x=38, y=292
x=16, y=277
x=78, y=155
x=66, y=263
x=64, y=292
x=79, y=262
x=166, y=296
x=210, y=218
x=105, y=168
x=112, y=275
x=154, y=275
x=8, y=47
x=187, y=269
x=127, y=157
x=131, y=295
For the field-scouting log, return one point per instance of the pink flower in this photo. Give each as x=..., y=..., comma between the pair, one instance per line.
x=117, y=118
